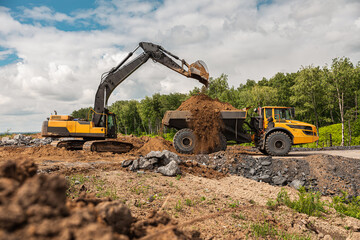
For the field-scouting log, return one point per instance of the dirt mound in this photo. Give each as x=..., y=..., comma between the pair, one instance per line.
x=205, y=122
x=35, y=207
x=155, y=144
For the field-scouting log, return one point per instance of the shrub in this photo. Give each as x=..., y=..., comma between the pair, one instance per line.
x=308, y=202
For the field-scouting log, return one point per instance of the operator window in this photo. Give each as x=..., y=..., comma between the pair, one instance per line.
x=110, y=121
x=282, y=113
x=268, y=112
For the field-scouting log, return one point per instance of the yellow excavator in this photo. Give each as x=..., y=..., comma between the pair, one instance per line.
x=100, y=133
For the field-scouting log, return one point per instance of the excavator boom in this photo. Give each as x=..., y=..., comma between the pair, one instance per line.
x=197, y=70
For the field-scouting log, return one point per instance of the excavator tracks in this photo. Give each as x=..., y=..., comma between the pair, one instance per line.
x=107, y=146
x=69, y=144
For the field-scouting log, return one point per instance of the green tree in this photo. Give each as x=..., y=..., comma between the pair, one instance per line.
x=283, y=83
x=342, y=77
x=309, y=92
x=82, y=113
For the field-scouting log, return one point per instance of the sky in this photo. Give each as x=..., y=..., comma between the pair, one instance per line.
x=52, y=53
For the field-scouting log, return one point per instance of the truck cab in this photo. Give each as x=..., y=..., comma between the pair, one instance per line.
x=278, y=130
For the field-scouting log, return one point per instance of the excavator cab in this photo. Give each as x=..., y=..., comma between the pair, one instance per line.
x=111, y=125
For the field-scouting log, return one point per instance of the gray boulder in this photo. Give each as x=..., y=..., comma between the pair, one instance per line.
x=154, y=154
x=278, y=180
x=297, y=184
x=171, y=169
x=135, y=165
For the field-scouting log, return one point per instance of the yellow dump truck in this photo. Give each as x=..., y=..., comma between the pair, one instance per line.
x=273, y=131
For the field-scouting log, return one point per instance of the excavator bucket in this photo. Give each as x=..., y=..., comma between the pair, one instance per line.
x=199, y=71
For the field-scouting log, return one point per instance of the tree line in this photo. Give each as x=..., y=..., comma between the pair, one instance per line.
x=321, y=95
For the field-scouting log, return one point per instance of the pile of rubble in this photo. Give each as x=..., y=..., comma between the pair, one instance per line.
x=326, y=174
x=165, y=162
x=34, y=206
x=22, y=140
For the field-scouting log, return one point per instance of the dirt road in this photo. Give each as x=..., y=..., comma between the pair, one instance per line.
x=342, y=153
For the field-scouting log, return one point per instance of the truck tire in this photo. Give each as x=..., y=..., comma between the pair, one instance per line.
x=278, y=144
x=185, y=141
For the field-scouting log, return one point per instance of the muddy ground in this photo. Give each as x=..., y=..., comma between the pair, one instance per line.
x=218, y=196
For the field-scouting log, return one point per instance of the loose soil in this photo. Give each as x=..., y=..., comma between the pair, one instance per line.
x=205, y=121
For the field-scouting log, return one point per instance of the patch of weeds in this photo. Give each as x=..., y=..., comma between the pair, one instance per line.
x=347, y=206
x=238, y=216
x=74, y=181
x=140, y=189
x=178, y=206
x=202, y=198
x=263, y=230
x=171, y=184
x=188, y=202
x=234, y=204
x=267, y=231
x=178, y=177
x=308, y=202
x=252, y=202
x=272, y=204
x=102, y=189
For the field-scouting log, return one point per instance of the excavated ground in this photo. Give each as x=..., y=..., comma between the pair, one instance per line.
x=218, y=196
x=52, y=193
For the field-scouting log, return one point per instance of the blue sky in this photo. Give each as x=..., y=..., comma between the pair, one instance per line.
x=52, y=53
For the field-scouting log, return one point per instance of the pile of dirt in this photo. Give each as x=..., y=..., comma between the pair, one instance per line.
x=205, y=122
x=35, y=207
x=155, y=144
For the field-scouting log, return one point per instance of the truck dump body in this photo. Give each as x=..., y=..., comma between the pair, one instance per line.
x=232, y=123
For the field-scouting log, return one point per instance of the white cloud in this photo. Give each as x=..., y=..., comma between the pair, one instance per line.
x=61, y=70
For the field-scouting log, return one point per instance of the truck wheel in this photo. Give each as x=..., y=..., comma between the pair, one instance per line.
x=185, y=141
x=278, y=144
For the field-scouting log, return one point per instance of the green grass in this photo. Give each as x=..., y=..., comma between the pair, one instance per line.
x=188, y=202
x=308, y=202
x=267, y=231
x=100, y=186
x=234, y=204
x=345, y=206
x=178, y=206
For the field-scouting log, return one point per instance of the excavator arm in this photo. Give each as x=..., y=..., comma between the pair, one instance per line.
x=118, y=74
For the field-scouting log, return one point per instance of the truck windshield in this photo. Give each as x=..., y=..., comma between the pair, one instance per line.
x=282, y=114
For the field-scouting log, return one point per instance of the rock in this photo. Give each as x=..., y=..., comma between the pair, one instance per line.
x=147, y=163
x=171, y=156
x=135, y=165
x=154, y=154
x=278, y=180
x=265, y=178
x=297, y=184
x=252, y=171
x=5, y=139
x=126, y=163
x=18, y=137
x=266, y=163
x=172, y=169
